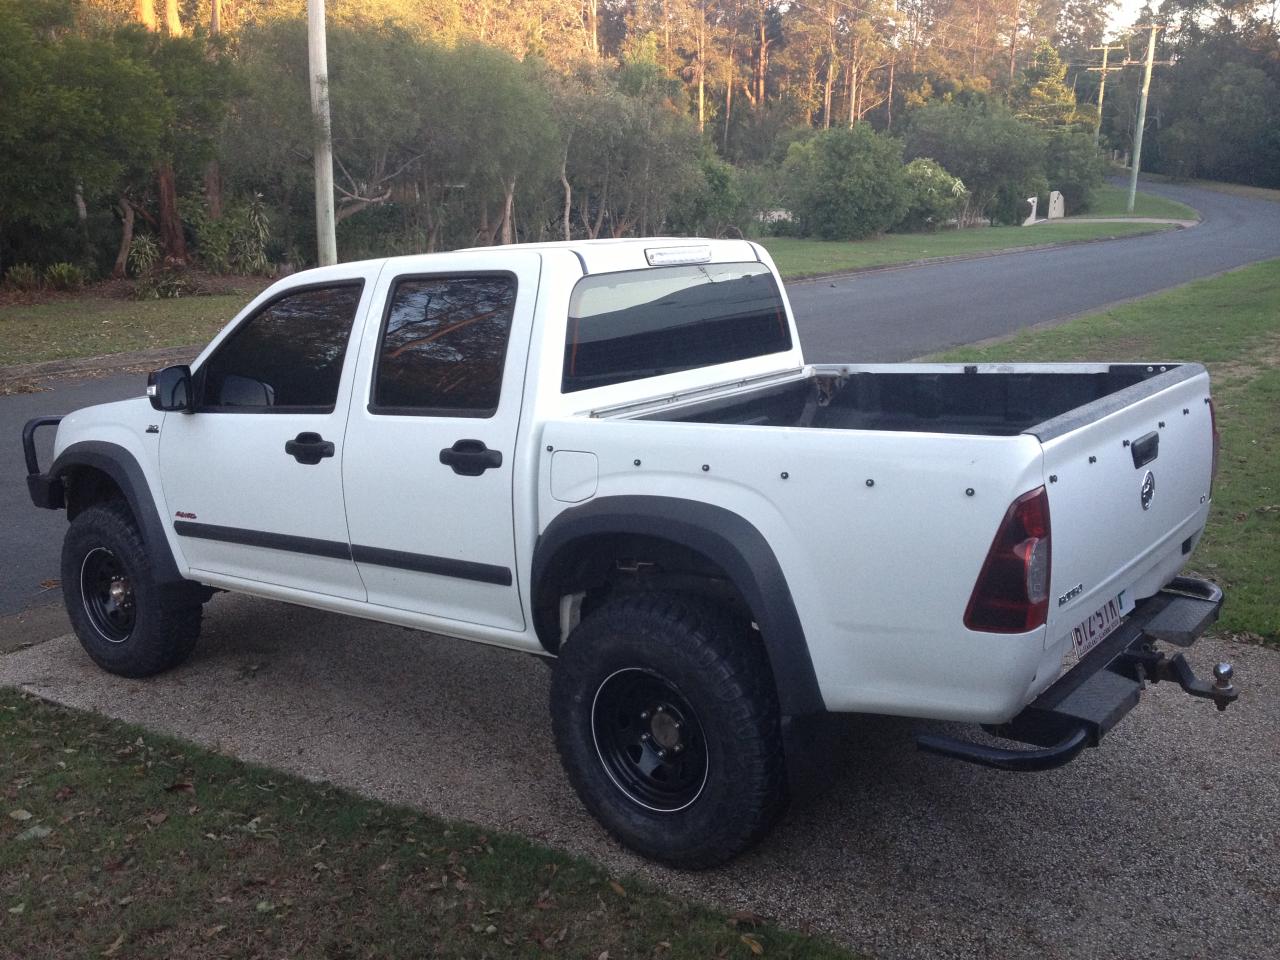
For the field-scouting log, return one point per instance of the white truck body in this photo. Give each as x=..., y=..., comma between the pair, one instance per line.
x=880, y=573
x=941, y=541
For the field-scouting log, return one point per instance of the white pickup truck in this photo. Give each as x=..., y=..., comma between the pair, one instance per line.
x=613, y=454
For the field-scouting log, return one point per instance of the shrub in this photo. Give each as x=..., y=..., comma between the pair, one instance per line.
x=934, y=196
x=237, y=242
x=845, y=184
x=64, y=276
x=165, y=283
x=716, y=205
x=1073, y=166
x=22, y=276
x=144, y=254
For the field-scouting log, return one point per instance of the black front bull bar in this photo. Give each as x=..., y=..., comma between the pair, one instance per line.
x=45, y=491
x=1082, y=707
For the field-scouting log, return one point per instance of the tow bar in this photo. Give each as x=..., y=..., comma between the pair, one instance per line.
x=1087, y=701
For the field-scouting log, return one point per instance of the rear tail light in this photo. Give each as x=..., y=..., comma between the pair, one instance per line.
x=1217, y=444
x=1012, y=592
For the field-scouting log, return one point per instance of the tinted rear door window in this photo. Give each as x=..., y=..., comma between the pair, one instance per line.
x=444, y=344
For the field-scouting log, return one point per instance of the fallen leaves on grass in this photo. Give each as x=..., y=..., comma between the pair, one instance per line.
x=20, y=814
x=754, y=945
x=617, y=888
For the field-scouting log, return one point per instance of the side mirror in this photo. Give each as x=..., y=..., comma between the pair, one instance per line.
x=170, y=389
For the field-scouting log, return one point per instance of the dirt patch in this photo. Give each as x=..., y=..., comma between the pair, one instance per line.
x=1264, y=355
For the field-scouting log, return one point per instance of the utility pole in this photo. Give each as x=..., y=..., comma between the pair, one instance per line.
x=1102, y=87
x=1142, y=119
x=318, y=57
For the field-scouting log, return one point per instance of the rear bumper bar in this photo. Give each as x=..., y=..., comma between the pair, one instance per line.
x=45, y=491
x=1082, y=707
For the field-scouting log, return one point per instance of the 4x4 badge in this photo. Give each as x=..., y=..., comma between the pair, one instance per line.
x=1148, y=490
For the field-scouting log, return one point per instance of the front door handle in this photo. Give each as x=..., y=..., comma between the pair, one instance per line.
x=470, y=458
x=309, y=448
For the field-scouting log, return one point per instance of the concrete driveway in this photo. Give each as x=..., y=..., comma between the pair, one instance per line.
x=1160, y=844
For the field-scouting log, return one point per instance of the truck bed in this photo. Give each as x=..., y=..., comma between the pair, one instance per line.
x=989, y=400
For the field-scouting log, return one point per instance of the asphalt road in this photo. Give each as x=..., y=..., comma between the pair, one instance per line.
x=1163, y=843
x=898, y=314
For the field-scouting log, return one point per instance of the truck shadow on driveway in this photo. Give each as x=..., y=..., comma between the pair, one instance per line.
x=1162, y=843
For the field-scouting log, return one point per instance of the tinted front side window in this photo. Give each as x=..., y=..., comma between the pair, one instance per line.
x=444, y=345
x=643, y=323
x=289, y=354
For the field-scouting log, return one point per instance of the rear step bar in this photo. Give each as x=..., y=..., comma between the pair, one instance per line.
x=1082, y=707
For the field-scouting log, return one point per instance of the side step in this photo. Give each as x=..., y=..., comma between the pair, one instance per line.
x=1089, y=700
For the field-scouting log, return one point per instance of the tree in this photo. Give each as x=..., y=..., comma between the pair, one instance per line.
x=845, y=184
x=76, y=115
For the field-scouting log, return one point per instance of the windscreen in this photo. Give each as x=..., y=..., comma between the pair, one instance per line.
x=644, y=323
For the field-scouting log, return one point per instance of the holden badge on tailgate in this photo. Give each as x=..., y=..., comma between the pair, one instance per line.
x=1148, y=490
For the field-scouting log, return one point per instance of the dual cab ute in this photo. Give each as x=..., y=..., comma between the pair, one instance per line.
x=613, y=454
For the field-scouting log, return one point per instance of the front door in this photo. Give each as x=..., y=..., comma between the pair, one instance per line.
x=431, y=442
x=253, y=478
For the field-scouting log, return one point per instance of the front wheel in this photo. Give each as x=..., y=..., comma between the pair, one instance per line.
x=666, y=719
x=127, y=622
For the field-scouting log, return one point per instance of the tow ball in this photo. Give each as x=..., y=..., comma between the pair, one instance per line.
x=1152, y=666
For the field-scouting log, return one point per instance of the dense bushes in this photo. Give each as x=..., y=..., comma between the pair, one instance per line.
x=845, y=184
x=1003, y=160
x=934, y=196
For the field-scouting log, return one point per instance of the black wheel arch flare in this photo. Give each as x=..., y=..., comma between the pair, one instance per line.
x=723, y=537
x=123, y=469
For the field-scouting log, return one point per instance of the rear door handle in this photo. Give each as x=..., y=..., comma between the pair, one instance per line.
x=470, y=458
x=309, y=448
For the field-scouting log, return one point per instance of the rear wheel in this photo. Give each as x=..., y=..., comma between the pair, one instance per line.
x=127, y=622
x=666, y=720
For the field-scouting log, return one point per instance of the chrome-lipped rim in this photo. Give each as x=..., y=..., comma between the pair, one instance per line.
x=649, y=740
x=107, y=593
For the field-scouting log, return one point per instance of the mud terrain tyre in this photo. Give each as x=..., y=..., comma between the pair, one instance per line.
x=666, y=719
x=128, y=623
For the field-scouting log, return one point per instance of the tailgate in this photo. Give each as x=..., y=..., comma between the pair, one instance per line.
x=1128, y=482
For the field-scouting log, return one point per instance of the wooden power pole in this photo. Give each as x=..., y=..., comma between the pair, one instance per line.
x=1142, y=119
x=1102, y=87
x=318, y=56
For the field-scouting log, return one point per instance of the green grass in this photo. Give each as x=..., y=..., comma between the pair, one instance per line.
x=91, y=326
x=117, y=842
x=805, y=258
x=1232, y=324
x=1109, y=201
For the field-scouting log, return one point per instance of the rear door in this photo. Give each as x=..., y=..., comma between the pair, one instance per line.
x=1128, y=492
x=432, y=435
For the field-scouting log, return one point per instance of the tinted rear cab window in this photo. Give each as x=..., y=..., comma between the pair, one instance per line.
x=645, y=323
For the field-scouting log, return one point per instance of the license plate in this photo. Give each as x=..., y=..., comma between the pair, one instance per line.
x=1100, y=624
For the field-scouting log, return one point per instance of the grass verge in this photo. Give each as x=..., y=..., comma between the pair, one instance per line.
x=91, y=326
x=119, y=843
x=1109, y=201
x=798, y=258
x=1232, y=324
